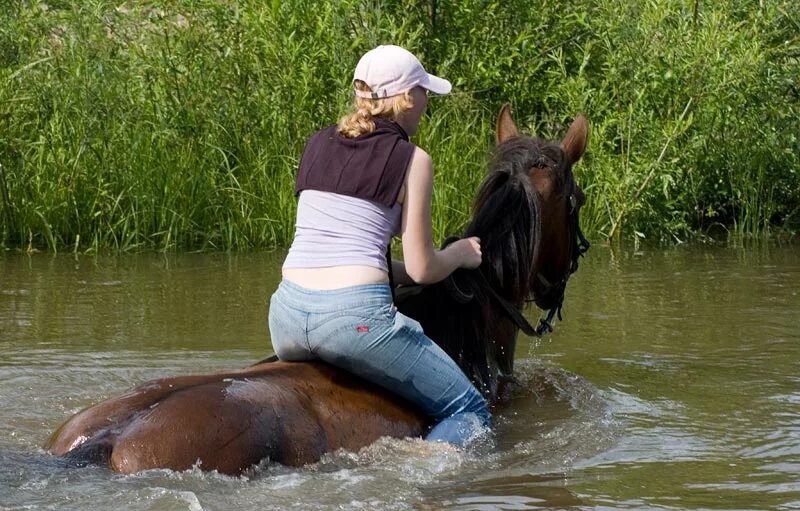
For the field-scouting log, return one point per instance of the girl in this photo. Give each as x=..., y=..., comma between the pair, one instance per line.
x=359, y=183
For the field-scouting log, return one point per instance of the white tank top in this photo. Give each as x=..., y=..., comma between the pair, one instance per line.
x=339, y=230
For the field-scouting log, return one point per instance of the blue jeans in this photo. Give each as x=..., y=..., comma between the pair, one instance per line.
x=359, y=330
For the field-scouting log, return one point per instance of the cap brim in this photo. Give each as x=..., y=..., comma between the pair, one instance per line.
x=437, y=85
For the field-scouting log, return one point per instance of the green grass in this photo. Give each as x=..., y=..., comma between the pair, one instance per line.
x=178, y=125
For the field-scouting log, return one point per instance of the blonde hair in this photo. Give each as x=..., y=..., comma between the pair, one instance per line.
x=360, y=120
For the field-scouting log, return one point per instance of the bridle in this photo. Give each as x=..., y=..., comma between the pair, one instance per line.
x=578, y=245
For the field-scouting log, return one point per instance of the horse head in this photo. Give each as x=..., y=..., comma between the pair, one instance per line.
x=526, y=214
x=548, y=168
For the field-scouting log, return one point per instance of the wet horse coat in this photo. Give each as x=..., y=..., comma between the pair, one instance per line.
x=292, y=413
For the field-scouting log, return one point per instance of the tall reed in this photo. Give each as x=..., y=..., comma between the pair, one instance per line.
x=179, y=124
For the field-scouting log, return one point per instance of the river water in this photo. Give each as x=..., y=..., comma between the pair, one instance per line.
x=672, y=383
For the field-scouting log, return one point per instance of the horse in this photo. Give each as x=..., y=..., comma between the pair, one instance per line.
x=526, y=215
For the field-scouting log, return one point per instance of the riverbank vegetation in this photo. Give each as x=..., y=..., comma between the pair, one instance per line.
x=178, y=124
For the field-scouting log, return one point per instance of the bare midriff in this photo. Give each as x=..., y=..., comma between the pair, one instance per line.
x=335, y=277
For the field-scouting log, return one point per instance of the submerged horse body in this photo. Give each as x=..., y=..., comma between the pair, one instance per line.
x=288, y=412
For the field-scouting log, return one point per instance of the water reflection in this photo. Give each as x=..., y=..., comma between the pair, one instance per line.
x=151, y=301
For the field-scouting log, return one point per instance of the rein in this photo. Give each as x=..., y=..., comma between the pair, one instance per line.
x=513, y=312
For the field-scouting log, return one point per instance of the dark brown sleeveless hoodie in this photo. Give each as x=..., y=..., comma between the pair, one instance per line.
x=372, y=166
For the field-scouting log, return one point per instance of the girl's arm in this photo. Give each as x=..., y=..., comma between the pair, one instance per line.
x=422, y=263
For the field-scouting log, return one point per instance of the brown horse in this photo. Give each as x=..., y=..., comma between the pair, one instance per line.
x=526, y=214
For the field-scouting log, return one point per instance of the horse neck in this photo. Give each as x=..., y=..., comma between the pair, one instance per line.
x=478, y=335
x=507, y=222
x=501, y=331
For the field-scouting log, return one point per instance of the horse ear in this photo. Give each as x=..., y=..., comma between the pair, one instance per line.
x=505, y=124
x=576, y=139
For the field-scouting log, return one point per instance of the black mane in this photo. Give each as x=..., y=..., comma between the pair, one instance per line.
x=506, y=217
x=506, y=214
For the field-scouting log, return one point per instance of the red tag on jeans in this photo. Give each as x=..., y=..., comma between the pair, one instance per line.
x=362, y=329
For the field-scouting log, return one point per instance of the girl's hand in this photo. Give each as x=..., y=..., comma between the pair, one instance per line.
x=470, y=252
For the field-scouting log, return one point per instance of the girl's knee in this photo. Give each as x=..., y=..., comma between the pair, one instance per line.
x=470, y=402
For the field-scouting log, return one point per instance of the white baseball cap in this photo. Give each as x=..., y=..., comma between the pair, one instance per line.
x=391, y=70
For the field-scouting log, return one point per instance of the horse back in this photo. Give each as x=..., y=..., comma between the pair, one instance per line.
x=287, y=412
